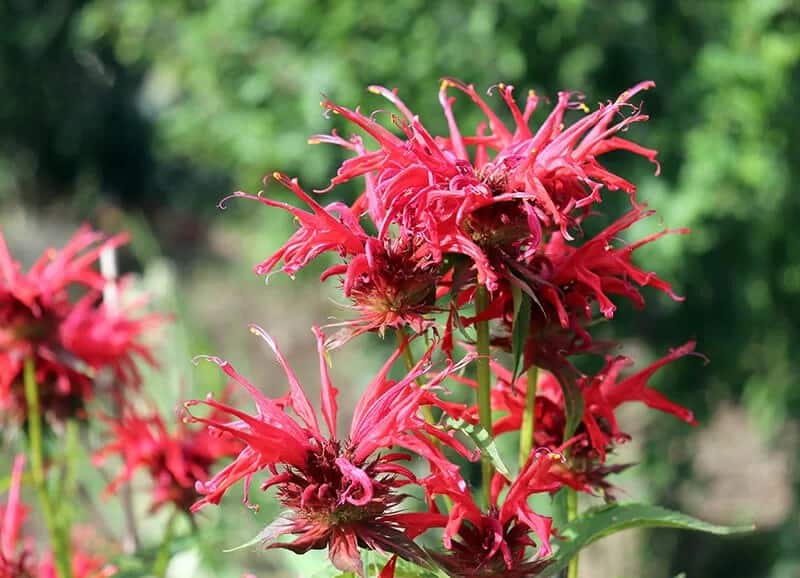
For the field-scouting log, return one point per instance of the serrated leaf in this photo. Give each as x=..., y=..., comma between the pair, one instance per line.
x=519, y=331
x=603, y=521
x=482, y=439
x=268, y=535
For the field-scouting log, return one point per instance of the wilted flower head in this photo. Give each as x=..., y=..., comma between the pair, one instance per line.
x=69, y=341
x=174, y=460
x=340, y=492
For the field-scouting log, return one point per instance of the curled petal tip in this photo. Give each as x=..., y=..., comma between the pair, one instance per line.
x=261, y=332
x=212, y=358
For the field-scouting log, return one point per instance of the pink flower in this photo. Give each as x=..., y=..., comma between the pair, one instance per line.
x=390, y=280
x=340, y=492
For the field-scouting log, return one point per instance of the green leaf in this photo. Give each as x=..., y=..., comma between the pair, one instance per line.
x=482, y=439
x=603, y=521
x=405, y=569
x=573, y=403
x=520, y=329
x=268, y=535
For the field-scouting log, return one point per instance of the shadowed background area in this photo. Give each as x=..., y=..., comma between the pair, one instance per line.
x=142, y=114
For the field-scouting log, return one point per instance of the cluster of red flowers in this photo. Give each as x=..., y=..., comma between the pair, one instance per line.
x=70, y=342
x=77, y=334
x=478, y=231
x=445, y=222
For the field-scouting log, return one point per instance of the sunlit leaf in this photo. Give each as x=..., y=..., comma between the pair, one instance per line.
x=603, y=521
x=482, y=439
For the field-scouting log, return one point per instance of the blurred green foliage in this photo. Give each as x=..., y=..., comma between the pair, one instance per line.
x=163, y=106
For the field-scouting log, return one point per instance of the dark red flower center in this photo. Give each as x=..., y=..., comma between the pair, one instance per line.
x=322, y=493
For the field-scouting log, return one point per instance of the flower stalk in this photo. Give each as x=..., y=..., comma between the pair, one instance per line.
x=526, y=432
x=408, y=357
x=427, y=412
x=484, y=379
x=57, y=529
x=572, y=513
x=162, y=559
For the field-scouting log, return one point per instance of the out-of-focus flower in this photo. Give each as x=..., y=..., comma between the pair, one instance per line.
x=173, y=460
x=496, y=542
x=69, y=341
x=15, y=558
x=598, y=433
x=17, y=555
x=83, y=566
x=340, y=492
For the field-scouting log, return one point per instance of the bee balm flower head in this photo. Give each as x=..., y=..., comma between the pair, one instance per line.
x=68, y=341
x=340, y=491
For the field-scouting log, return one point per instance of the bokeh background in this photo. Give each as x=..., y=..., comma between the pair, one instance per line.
x=142, y=114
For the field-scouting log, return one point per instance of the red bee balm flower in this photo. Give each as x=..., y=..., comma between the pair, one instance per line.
x=497, y=542
x=175, y=461
x=573, y=285
x=68, y=341
x=494, y=210
x=340, y=493
x=585, y=468
x=390, y=280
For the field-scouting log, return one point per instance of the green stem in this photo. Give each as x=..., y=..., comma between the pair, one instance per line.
x=162, y=559
x=572, y=513
x=72, y=456
x=59, y=535
x=528, y=428
x=408, y=357
x=427, y=413
x=484, y=379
